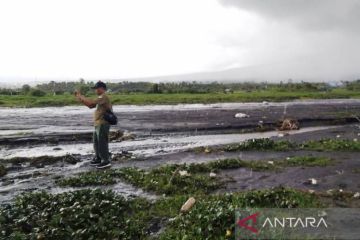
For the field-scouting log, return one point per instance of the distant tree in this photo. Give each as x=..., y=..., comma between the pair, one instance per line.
x=25, y=89
x=37, y=93
x=156, y=88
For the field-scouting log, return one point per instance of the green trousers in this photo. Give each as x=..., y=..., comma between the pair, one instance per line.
x=101, y=142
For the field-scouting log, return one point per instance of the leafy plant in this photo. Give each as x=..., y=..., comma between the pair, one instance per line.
x=212, y=217
x=332, y=144
x=84, y=214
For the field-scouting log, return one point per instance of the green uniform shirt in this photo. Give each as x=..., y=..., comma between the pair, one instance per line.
x=102, y=105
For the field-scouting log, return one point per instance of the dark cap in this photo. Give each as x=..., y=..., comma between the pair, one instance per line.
x=99, y=84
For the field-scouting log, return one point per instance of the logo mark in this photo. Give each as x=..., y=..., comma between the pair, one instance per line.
x=253, y=219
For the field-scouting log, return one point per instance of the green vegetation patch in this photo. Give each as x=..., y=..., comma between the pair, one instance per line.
x=212, y=217
x=42, y=160
x=163, y=180
x=266, y=144
x=84, y=214
x=307, y=161
x=38, y=98
x=191, y=178
x=261, y=144
x=332, y=144
x=97, y=214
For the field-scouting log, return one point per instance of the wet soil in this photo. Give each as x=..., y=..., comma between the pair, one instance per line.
x=164, y=134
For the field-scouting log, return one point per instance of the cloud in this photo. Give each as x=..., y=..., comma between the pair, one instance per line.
x=318, y=15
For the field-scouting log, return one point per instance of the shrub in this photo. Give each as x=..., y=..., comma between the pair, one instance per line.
x=37, y=93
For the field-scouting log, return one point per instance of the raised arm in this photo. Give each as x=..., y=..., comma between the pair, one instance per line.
x=86, y=101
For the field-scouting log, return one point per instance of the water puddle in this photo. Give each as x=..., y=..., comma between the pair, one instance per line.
x=148, y=146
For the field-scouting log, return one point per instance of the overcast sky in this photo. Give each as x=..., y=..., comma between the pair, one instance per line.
x=113, y=39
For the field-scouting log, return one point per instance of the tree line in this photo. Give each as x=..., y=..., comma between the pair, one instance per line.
x=126, y=87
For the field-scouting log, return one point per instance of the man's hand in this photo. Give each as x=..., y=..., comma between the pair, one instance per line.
x=77, y=93
x=87, y=102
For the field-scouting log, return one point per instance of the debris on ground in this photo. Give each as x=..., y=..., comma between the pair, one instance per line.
x=357, y=195
x=71, y=159
x=207, y=150
x=115, y=135
x=312, y=181
x=212, y=174
x=340, y=172
x=128, y=136
x=241, y=115
x=188, y=205
x=184, y=173
x=283, y=134
x=289, y=124
x=122, y=156
x=119, y=136
x=228, y=233
x=271, y=162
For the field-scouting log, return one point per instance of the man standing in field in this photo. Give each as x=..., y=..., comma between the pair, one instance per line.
x=101, y=133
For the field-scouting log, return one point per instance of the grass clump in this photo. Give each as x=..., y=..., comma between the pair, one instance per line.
x=169, y=179
x=163, y=180
x=266, y=144
x=91, y=178
x=191, y=178
x=332, y=145
x=84, y=214
x=213, y=215
x=261, y=144
x=2, y=170
x=307, y=161
x=42, y=160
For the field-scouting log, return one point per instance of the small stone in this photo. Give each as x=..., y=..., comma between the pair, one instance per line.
x=357, y=195
x=271, y=162
x=241, y=115
x=212, y=174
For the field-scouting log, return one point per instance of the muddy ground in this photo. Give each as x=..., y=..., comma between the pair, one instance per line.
x=165, y=134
